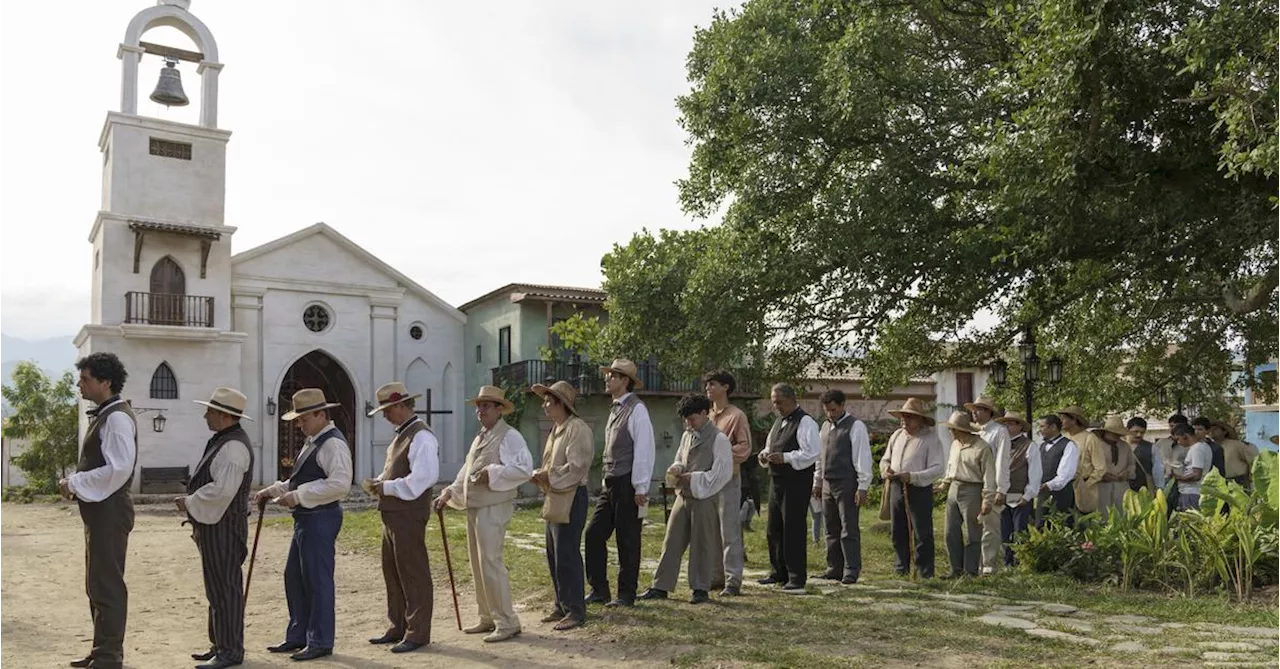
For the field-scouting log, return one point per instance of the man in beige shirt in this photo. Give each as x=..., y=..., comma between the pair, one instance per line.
x=1118, y=462
x=733, y=423
x=912, y=461
x=1092, y=463
x=971, y=493
x=1237, y=456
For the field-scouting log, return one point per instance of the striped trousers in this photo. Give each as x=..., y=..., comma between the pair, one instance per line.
x=223, y=548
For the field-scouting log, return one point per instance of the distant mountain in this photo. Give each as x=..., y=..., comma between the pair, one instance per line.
x=54, y=355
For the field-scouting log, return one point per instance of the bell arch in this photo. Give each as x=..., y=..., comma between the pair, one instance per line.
x=172, y=14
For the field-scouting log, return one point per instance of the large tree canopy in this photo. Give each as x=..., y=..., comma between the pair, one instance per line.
x=904, y=184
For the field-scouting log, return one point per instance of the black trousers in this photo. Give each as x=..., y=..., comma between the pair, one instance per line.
x=107, y=525
x=1013, y=521
x=844, y=535
x=615, y=512
x=223, y=550
x=788, y=532
x=920, y=498
x=564, y=558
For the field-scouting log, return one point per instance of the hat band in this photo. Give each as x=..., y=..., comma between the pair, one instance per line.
x=313, y=407
x=226, y=407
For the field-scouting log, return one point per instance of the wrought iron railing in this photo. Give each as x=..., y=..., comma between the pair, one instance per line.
x=168, y=309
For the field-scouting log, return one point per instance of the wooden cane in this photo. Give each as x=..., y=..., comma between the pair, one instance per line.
x=448, y=563
x=911, y=532
x=262, y=508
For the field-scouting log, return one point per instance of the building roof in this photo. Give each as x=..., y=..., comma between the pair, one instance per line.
x=519, y=292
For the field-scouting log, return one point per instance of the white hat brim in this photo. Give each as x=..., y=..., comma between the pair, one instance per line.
x=215, y=407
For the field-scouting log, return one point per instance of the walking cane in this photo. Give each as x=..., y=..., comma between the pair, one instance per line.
x=448, y=563
x=911, y=532
x=262, y=508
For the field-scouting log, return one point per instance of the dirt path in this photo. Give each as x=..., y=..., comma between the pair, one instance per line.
x=44, y=617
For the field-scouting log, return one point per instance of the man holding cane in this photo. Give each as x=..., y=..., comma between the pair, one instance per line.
x=912, y=461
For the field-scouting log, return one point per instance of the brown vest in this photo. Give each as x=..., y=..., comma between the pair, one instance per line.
x=91, y=453
x=484, y=452
x=1018, y=476
x=397, y=467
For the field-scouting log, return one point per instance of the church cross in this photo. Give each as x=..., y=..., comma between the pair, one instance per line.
x=427, y=412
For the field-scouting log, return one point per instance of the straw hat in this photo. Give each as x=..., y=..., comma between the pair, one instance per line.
x=914, y=407
x=960, y=420
x=626, y=368
x=1014, y=418
x=1076, y=413
x=495, y=395
x=1114, y=425
x=1226, y=427
x=307, y=400
x=982, y=401
x=391, y=394
x=227, y=400
x=561, y=390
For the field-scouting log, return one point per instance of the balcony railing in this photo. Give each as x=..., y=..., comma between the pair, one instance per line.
x=585, y=377
x=168, y=309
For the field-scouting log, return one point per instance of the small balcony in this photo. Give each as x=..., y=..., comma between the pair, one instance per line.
x=193, y=311
x=586, y=377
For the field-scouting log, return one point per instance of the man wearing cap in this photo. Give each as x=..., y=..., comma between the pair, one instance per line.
x=566, y=466
x=217, y=506
x=1118, y=463
x=1237, y=456
x=842, y=476
x=1024, y=481
x=913, y=460
x=1092, y=463
x=320, y=479
x=628, y=466
x=497, y=463
x=403, y=490
x=1059, y=459
x=1148, y=468
x=971, y=493
x=790, y=452
x=733, y=422
x=997, y=437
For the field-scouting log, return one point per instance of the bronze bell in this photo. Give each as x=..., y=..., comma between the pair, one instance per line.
x=169, y=89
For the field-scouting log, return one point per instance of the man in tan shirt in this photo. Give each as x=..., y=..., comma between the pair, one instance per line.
x=1118, y=464
x=971, y=490
x=1238, y=456
x=733, y=423
x=1092, y=463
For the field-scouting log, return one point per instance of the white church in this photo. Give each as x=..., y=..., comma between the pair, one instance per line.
x=185, y=315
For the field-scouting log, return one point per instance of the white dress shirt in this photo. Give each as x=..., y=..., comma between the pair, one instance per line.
x=210, y=501
x=922, y=456
x=424, y=466
x=1157, y=466
x=810, y=445
x=514, y=466
x=118, y=435
x=640, y=426
x=705, y=484
x=1035, y=474
x=1066, y=466
x=997, y=435
x=860, y=442
x=334, y=457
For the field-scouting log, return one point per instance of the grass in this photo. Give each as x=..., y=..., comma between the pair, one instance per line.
x=850, y=628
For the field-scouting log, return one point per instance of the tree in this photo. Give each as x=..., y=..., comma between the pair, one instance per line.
x=903, y=185
x=44, y=413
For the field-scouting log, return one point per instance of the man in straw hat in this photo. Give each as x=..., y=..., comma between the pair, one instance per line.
x=628, y=466
x=841, y=479
x=703, y=465
x=790, y=452
x=497, y=463
x=320, y=479
x=971, y=493
x=217, y=505
x=913, y=460
x=1059, y=459
x=1024, y=481
x=1092, y=463
x=733, y=422
x=1118, y=463
x=994, y=433
x=1237, y=456
x=403, y=490
x=566, y=466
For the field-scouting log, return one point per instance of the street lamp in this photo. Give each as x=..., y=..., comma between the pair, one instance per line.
x=1055, y=370
x=1030, y=370
x=999, y=371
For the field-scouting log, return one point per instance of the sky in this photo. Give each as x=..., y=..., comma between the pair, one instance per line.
x=469, y=145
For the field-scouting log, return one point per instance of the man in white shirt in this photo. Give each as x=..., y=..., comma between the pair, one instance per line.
x=703, y=466
x=100, y=487
x=1024, y=481
x=841, y=478
x=320, y=479
x=497, y=463
x=1196, y=465
x=995, y=434
x=790, y=451
x=403, y=490
x=1059, y=457
x=217, y=506
x=913, y=459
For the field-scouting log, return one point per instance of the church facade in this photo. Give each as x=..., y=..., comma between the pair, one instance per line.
x=186, y=315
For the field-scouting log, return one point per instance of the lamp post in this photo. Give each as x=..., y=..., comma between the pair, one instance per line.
x=1030, y=370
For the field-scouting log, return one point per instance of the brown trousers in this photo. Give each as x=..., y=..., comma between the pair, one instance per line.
x=407, y=572
x=107, y=525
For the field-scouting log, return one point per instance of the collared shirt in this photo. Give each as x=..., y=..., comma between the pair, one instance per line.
x=118, y=436
x=424, y=465
x=210, y=501
x=334, y=457
x=860, y=442
x=574, y=438
x=997, y=436
x=643, y=448
x=1199, y=456
x=1157, y=465
x=514, y=466
x=733, y=422
x=1066, y=466
x=920, y=455
x=1172, y=454
x=810, y=445
x=1035, y=474
x=705, y=484
x=973, y=463
x=1238, y=457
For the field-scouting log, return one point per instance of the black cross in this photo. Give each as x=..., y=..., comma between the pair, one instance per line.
x=428, y=412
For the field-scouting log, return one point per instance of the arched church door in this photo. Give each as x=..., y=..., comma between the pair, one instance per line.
x=314, y=370
x=168, y=293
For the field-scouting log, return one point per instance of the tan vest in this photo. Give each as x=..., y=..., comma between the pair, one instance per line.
x=397, y=467
x=556, y=453
x=484, y=452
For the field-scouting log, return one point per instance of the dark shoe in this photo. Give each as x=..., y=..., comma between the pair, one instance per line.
x=699, y=597
x=406, y=646
x=553, y=617
x=829, y=575
x=597, y=598
x=620, y=602
x=793, y=587
x=86, y=661
x=653, y=593
x=286, y=647
x=848, y=580
x=217, y=663
x=731, y=591
x=310, y=653
x=568, y=623
x=718, y=585
x=771, y=580
x=386, y=638
x=205, y=657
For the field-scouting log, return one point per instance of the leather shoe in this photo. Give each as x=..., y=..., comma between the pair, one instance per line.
x=848, y=580
x=731, y=591
x=828, y=575
x=217, y=663
x=406, y=646
x=86, y=661
x=310, y=653
x=479, y=628
x=553, y=617
x=793, y=587
x=205, y=657
x=568, y=623
x=386, y=638
x=502, y=635
x=597, y=598
x=770, y=580
x=653, y=593
x=620, y=602
x=285, y=647
x=699, y=597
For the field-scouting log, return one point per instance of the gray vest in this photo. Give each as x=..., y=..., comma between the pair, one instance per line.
x=837, y=450
x=619, y=446
x=700, y=454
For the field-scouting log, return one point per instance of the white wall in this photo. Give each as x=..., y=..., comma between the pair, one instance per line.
x=138, y=183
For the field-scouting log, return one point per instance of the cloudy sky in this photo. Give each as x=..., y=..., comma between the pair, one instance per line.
x=466, y=144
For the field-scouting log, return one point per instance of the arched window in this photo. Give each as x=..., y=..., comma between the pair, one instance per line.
x=164, y=385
